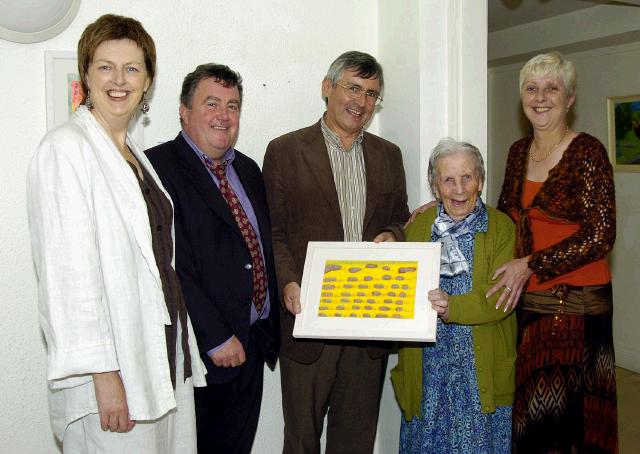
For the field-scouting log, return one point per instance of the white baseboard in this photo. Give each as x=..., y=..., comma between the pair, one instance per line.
x=627, y=357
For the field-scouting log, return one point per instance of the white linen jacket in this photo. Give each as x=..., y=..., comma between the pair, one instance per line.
x=101, y=304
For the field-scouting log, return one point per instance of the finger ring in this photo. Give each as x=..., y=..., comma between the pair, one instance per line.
x=507, y=288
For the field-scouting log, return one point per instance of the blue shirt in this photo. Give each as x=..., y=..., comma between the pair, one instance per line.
x=238, y=189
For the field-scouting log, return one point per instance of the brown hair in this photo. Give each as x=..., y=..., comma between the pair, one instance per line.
x=222, y=74
x=111, y=27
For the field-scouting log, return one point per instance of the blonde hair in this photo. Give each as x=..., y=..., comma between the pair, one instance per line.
x=551, y=64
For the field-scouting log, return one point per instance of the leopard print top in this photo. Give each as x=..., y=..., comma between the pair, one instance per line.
x=578, y=189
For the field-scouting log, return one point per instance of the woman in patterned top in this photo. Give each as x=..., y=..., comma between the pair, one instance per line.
x=558, y=188
x=456, y=395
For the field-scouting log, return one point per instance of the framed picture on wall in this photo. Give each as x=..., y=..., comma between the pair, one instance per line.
x=64, y=91
x=364, y=290
x=624, y=132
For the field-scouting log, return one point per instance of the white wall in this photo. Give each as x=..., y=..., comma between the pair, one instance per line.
x=435, y=80
x=602, y=72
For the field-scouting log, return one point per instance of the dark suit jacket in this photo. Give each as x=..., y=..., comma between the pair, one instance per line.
x=304, y=207
x=212, y=259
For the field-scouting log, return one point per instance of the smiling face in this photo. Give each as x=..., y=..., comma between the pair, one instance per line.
x=347, y=116
x=545, y=102
x=117, y=79
x=458, y=184
x=213, y=120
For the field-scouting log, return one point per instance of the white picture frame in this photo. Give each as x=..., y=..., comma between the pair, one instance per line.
x=334, y=291
x=62, y=84
x=64, y=92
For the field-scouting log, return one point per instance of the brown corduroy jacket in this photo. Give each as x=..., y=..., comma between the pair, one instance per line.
x=304, y=207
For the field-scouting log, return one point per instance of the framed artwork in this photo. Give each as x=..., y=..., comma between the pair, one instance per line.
x=64, y=92
x=624, y=132
x=368, y=291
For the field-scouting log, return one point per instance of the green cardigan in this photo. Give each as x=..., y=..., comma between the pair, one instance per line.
x=494, y=331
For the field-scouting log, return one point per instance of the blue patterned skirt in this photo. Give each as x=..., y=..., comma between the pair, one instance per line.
x=452, y=421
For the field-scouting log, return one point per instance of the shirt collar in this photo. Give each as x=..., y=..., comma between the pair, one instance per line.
x=228, y=158
x=333, y=138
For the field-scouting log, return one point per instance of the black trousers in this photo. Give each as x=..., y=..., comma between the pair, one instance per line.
x=227, y=414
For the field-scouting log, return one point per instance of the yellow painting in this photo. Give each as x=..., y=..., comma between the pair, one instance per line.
x=368, y=289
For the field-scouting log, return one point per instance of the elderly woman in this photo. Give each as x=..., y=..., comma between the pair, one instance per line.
x=456, y=395
x=559, y=190
x=121, y=354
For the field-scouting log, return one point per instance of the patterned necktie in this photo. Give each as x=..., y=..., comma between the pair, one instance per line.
x=249, y=235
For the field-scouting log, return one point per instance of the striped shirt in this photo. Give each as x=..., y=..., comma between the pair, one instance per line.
x=349, y=177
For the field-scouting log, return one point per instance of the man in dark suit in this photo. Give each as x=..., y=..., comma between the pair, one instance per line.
x=332, y=182
x=223, y=256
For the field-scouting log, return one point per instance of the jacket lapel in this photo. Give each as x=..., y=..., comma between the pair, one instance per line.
x=374, y=168
x=315, y=155
x=126, y=189
x=197, y=175
x=256, y=197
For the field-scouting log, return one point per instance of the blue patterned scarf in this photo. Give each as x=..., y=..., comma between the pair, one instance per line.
x=447, y=231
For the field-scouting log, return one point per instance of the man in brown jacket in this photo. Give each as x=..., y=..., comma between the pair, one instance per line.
x=332, y=181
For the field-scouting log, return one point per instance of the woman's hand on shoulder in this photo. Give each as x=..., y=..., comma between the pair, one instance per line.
x=513, y=277
x=439, y=302
x=420, y=210
x=112, y=402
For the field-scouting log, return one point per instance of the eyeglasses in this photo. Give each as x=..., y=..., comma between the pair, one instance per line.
x=356, y=92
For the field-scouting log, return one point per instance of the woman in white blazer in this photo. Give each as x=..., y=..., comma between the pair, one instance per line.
x=122, y=357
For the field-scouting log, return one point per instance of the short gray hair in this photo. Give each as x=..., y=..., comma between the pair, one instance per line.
x=447, y=147
x=364, y=65
x=551, y=64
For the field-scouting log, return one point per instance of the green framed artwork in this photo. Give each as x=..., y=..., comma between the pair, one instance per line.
x=624, y=132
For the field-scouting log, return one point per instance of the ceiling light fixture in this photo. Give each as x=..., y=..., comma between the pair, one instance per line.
x=32, y=21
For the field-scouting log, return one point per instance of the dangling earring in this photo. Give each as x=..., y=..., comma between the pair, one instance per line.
x=145, y=105
x=88, y=102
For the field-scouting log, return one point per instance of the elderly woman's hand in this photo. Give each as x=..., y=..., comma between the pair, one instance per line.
x=515, y=275
x=439, y=302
